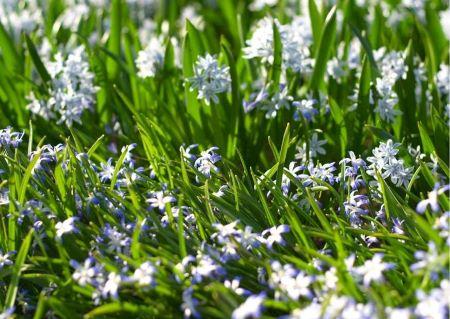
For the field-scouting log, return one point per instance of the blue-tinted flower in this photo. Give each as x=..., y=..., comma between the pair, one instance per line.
x=251, y=308
x=289, y=281
x=221, y=191
x=107, y=171
x=205, y=163
x=383, y=154
x=260, y=45
x=111, y=286
x=431, y=260
x=398, y=313
x=321, y=172
x=189, y=305
x=225, y=231
x=47, y=155
x=187, y=153
x=305, y=108
x=159, y=200
x=397, y=227
x=280, y=100
x=385, y=162
x=115, y=240
x=65, y=227
x=356, y=162
x=433, y=199
x=4, y=197
x=337, y=69
x=443, y=79
x=434, y=305
x=443, y=225
x=296, y=38
x=255, y=100
x=210, y=79
x=89, y=272
x=274, y=235
x=372, y=269
x=234, y=285
x=355, y=310
x=400, y=175
x=298, y=286
x=8, y=138
x=151, y=59
x=5, y=259
x=71, y=90
x=293, y=170
x=315, y=146
x=8, y=313
x=206, y=267
x=355, y=207
x=312, y=311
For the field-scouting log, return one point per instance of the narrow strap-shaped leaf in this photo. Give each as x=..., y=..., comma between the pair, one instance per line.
x=118, y=167
x=9, y=52
x=27, y=176
x=277, y=57
x=43, y=73
x=322, y=218
x=283, y=152
x=427, y=143
x=235, y=102
x=316, y=22
x=20, y=260
x=114, y=38
x=323, y=50
x=367, y=47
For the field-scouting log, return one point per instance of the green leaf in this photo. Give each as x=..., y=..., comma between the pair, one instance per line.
x=378, y=132
x=324, y=49
x=228, y=9
x=62, y=309
x=20, y=260
x=192, y=104
x=277, y=57
x=283, y=152
x=114, y=38
x=169, y=58
x=427, y=143
x=430, y=54
x=41, y=307
x=37, y=60
x=320, y=215
x=118, y=167
x=94, y=146
x=9, y=52
x=117, y=307
x=369, y=52
x=338, y=116
x=27, y=176
x=437, y=35
x=316, y=22
x=235, y=113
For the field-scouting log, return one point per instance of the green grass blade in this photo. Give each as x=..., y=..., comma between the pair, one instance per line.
x=20, y=260
x=324, y=49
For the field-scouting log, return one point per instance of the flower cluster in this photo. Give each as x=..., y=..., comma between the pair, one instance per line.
x=384, y=161
x=205, y=162
x=392, y=68
x=209, y=78
x=8, y=138
x=150, y=60
x=296, y=38
x=71, y=90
